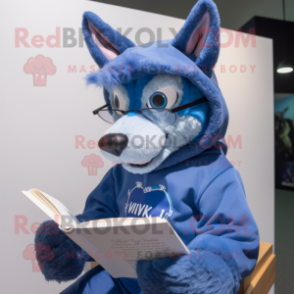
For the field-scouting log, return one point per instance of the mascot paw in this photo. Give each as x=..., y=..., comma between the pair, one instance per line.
x=59, y=258
x=198, y=273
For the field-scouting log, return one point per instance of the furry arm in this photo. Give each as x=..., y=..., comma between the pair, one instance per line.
x=223, y=252
x=198, y=273
x=59, y=258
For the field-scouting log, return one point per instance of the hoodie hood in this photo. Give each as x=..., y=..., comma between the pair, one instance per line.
x=137, y=61
x=192, y=54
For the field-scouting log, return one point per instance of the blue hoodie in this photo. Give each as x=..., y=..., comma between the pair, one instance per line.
x=202, y=197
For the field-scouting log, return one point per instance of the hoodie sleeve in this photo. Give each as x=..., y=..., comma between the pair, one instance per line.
x=101, y=203
x=226, y=227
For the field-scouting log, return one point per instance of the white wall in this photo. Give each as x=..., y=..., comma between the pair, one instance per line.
x=249, y=97
x=39, y=124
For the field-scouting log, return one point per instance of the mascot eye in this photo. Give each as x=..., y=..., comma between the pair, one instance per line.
x=158, y=100
x=163, y=98
x=118, y=102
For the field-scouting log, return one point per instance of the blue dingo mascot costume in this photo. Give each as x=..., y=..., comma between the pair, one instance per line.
x=168, y=115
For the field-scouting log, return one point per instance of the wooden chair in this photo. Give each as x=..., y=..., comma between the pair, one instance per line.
x=262, y=278
x=264, y=275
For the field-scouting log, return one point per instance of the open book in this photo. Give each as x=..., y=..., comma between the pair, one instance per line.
x=115, y=243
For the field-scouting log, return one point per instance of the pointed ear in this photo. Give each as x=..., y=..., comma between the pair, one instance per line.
x=103, y=42
x=199, y=37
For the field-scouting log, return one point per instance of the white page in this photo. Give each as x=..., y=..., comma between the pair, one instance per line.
x=70, y=220
x=120, y=246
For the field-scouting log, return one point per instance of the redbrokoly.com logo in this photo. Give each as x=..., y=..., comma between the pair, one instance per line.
x=39, y=67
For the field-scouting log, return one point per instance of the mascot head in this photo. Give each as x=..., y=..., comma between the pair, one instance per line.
x=162, y=99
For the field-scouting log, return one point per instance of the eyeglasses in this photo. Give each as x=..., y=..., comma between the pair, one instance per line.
x=156, y=115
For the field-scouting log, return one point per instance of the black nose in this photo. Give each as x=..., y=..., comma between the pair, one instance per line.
x=113, y=143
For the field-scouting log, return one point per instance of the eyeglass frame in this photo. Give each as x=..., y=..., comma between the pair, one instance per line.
x=171, y=110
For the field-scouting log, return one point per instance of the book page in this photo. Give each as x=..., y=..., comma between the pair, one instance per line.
x=123, y=241
x=65, y=212
x=64, y=218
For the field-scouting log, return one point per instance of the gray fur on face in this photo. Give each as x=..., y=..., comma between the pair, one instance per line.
x=145, y=140
x=140, y=131
x=179, y=135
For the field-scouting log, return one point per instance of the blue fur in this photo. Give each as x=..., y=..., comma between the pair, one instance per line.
x=201, y=272
x=202, y=111
x=121, y=43
x=140, y=85
x=63, y=267
x=209, y=55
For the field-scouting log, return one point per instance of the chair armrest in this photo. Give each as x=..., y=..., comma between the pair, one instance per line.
x=263, y=277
